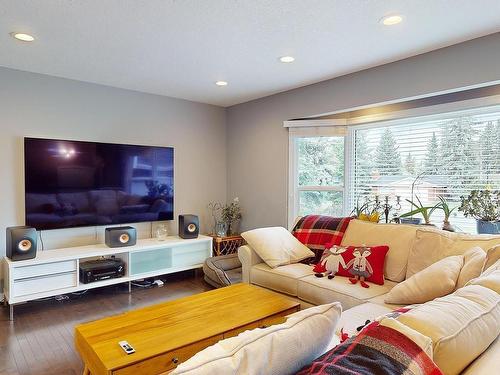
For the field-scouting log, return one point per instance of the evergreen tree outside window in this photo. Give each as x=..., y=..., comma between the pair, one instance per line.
x=432, y=163
x=388, y=159
x=319, y=175
x=452, y=155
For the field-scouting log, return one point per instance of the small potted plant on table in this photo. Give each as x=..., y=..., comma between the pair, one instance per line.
x=484, y=206
x=231, y=215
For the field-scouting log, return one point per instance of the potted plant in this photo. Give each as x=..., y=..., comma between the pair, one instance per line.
x=231, y=215
x=220, y=227
x=368, y=211
x=425, y=211
x=484, y=206
x=407, y=218
x=447, y=212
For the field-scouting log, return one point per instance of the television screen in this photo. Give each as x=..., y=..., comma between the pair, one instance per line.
x=72, y=183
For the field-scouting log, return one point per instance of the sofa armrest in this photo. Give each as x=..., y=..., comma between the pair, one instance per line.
x=248, y=258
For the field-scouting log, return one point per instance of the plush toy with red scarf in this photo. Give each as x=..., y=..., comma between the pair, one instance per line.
x=331, y=261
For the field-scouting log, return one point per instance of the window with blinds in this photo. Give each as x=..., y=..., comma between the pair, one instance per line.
x=447, y=157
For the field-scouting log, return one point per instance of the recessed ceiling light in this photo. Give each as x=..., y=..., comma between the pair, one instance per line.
x=390, y=20
x=23, y=37
x=221, y=83
x=287, y=59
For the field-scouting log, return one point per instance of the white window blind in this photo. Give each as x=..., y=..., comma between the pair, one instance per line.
x=452, y=155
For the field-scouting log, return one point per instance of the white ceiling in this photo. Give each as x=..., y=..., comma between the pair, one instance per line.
x=180, y=48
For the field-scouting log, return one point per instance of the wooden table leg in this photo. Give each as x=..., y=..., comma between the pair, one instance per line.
x=86, y=370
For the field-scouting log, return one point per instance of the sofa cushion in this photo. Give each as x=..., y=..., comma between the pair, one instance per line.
x=357, y=316
x=473, y=264
x=424, y=342
x=283, y=279
x=380, y=300
x=490, y=278
x=432, y=245
x=437, y=280
x=494, y=267
x=491, y=281
x=279, y=349
x=322, y=290
x=461, y=325
x=490, y=359
x=276, y=246
x=492, y=256
x=399, y=238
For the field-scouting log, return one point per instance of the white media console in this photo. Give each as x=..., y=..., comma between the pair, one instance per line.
x=55, y=272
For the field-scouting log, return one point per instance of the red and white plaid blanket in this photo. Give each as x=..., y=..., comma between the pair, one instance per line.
x=315, y=231
x=375, y=350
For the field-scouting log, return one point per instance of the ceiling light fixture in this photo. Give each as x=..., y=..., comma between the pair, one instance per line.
x=390, y=20
x=23, y=37
x=287, y=59
x=221, y=83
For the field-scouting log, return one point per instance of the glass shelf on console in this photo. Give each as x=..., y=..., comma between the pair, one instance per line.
x=150, y=260
x=192, y=254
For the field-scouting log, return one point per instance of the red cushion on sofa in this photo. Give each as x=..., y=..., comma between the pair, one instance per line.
x=360, y=266
x=315, y=231
x=370, y=266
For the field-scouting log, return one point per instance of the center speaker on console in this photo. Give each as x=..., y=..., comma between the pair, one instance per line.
x=189, y=226
x=21, y=243
x=120, y=236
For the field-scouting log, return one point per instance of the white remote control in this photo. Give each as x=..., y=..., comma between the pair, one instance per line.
x=126, y=347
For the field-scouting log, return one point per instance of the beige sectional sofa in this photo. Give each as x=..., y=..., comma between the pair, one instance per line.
x=412, y=248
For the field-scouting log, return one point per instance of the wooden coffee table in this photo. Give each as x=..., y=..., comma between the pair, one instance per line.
x=167, y=334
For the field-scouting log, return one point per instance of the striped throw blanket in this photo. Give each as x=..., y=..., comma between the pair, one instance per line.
x=375, y=350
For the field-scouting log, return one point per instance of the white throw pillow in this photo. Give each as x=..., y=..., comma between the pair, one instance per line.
x=437, y=280
x=399, y=238
x=461, y=325
x=473, y=265
x=280, y=349
x=433, y=244
x=276, y=246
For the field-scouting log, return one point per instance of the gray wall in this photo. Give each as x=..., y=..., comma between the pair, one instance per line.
x=43, y=106
x=257, y=151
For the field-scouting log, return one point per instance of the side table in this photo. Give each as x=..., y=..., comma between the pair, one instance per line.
x=226, y=245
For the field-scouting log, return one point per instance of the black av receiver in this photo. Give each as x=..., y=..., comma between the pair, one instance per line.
x=101, y=269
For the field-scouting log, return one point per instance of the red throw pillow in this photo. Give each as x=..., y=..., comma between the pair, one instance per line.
x=355, y=262
x=365, y=261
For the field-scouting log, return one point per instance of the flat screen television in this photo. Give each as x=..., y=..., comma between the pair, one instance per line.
x=73, y=183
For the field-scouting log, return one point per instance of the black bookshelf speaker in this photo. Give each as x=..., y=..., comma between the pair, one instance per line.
x=120, y=236
x=189, y=226
x=21, y=243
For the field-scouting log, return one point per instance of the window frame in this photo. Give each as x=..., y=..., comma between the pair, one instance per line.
x=347, y=127
x=326, y=129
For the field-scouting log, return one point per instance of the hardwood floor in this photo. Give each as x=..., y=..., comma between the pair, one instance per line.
x=40, y=339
